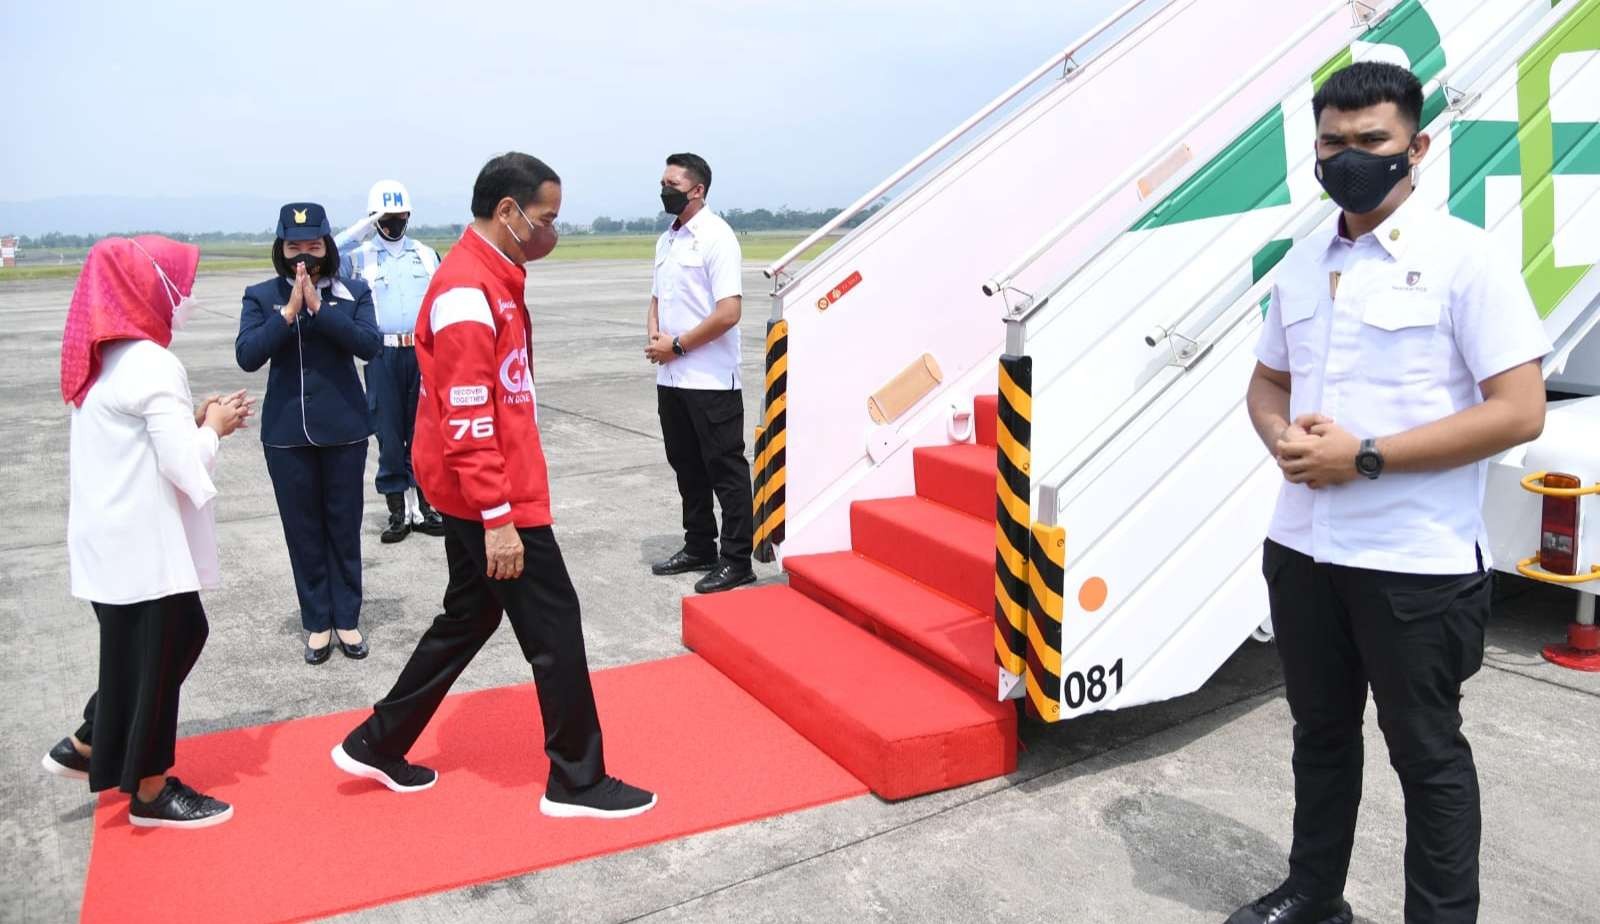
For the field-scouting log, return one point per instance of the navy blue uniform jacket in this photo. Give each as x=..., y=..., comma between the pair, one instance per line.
x=314, y=396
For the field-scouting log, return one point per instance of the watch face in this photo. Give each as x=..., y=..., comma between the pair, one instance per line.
x=1367, y=463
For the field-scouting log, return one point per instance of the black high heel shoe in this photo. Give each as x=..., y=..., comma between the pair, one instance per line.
x=318, y=655
x=354, y=652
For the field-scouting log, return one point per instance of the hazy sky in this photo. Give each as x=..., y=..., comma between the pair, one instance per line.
x=803, y=103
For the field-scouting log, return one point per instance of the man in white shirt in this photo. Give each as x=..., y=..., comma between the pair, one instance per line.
x=693, y=325
x=1400, y=351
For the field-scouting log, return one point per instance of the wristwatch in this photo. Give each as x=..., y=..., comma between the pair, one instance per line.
x=677, y=348
x=1369, y=461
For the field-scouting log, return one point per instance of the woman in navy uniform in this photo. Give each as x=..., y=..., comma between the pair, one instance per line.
x=311, y=325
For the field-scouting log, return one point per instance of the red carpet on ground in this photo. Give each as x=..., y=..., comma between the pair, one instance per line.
x=715, y=755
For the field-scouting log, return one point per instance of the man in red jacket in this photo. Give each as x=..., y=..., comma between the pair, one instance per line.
x=476, y=454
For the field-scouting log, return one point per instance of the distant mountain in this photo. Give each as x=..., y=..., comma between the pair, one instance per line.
x=113, y=214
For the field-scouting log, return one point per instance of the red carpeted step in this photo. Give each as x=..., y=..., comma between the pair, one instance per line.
x=943, y=548
x=901, y=727
x=936, y=629
x=960, y=475
x=986, y=417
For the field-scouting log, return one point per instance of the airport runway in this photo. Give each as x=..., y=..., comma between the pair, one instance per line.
x=1173, y=812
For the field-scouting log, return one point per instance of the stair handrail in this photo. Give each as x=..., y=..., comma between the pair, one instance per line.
x=1049, y=490
x=1366, y=14
x=1059, y=59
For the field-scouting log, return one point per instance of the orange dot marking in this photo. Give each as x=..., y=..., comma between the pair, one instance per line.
x=1092, y=595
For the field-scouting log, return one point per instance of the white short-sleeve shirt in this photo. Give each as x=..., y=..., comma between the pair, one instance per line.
x=697, y=265
x=141, y=522
x=1384, y=334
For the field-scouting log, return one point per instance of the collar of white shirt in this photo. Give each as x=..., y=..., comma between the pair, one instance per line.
x=1395, y=234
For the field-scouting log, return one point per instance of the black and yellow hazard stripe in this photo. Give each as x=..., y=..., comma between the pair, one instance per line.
x=1014, y=434
x=1047, y=572
x=771, y=442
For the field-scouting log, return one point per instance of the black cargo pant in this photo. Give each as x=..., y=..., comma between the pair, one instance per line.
x=704, y=433
x=1413, y=638
x=542, y=607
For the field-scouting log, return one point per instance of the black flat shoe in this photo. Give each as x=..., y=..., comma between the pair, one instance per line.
x=319, y=655
x=682, y=562
x=354, y=652
x=727, y=576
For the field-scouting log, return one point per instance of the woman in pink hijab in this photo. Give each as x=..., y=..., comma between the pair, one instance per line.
x=141, y=527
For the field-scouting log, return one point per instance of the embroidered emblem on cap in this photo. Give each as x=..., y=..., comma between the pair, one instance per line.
x=299, y=216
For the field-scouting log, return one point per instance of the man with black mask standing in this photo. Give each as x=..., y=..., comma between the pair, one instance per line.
x=693, y=327
x=398, y=269
x=1400, y=350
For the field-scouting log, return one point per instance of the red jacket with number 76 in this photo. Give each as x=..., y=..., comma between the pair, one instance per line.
x=476, y=450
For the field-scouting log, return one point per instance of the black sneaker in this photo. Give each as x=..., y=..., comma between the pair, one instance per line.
x=1288, y=905
x=353, y=756
x=178, y=806
x=609, y=798
x=65, y=761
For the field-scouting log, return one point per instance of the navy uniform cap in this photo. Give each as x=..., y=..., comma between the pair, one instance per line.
x=302, y=221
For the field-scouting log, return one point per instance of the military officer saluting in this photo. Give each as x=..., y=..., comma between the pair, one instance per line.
x=398, y=269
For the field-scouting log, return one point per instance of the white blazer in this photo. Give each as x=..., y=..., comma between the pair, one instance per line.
x=141, y=525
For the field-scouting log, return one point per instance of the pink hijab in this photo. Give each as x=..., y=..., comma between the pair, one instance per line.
x=120, y=296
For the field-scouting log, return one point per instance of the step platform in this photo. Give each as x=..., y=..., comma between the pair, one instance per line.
x=937, y=629
x=900, y=726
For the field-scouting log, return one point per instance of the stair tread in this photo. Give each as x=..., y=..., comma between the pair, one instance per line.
x=986, y=417
x=911, y=615
x=898, y=725
x=960, y=475
x=944, y=548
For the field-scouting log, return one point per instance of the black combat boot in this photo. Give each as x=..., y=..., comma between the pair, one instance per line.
x=398, y=528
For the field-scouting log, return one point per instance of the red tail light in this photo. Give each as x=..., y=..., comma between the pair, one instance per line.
x=1558, y=527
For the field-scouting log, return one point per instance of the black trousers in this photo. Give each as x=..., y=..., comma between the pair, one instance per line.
x=543, y=609
x=1413, y=638
x=393, y=383
x=704, y=433
x=131, y=722
x=319, y=496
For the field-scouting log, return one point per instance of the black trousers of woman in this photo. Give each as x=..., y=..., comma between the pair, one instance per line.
x=131, y=722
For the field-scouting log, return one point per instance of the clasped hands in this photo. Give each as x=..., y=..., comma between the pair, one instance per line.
x=659, y=349
x=1316, y=452
x=303, y=294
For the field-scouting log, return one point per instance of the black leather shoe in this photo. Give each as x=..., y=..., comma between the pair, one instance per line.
x=398, y=528
x=682, y=562
x=318, y=655
x=1287, y=905
x=354, y=652
x=727, y=576
x=432, y=524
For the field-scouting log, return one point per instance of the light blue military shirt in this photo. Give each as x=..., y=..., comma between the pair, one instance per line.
x=399, y=278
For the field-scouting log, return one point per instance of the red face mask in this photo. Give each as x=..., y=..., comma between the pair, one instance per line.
x=540, y=242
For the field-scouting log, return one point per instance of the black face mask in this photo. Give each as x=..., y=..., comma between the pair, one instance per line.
x=311, y=263
x=673, y=201
x=1359, y=182
x=392, y=228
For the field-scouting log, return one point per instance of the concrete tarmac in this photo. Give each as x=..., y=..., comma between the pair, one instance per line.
x=1178, y=811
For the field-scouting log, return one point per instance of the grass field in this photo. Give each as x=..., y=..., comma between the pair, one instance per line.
x=759, y=247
